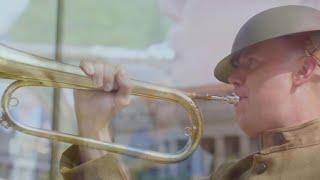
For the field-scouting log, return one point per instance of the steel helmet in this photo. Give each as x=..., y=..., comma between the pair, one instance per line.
x=269, y=24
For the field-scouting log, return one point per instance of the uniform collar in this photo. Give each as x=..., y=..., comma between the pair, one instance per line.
x=287, y=138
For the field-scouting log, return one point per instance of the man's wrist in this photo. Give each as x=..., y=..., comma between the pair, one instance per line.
x=103, y=134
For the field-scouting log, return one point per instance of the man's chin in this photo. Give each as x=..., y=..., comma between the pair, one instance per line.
x=250, y=132
x=240, y=110
x=248, y=128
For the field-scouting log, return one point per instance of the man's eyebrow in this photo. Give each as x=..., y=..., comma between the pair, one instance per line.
x=242, y=56
x=235, y=62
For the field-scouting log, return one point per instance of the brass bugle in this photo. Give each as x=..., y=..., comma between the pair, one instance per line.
x=31, y=70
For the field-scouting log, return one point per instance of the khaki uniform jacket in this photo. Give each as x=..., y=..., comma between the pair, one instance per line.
x=286, y=153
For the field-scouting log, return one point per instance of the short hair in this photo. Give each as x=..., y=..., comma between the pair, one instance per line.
x=312, y=42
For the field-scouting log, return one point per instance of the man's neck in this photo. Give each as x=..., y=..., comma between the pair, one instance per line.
x=304, y=107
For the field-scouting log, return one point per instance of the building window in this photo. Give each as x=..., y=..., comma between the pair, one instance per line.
x=232, y=146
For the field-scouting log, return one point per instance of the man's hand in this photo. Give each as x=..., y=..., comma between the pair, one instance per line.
x=95, y=109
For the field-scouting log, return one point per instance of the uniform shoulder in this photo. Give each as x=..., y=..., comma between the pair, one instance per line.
x=233, y=168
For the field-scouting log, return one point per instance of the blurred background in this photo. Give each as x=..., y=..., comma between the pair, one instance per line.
x=174, y=43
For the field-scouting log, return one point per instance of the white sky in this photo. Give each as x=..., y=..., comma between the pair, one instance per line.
x=11, y=11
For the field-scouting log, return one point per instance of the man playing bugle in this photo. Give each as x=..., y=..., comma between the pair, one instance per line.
x=274, y=68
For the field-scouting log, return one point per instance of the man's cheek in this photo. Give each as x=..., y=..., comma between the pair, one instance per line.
x=275, y=86
x=260, y=98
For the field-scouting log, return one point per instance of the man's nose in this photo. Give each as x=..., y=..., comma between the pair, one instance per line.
x=237, y=77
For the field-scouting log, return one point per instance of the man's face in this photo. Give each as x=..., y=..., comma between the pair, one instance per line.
x=263, y=80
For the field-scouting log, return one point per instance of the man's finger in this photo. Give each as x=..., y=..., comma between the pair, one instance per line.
x=87, y=67
x=108, y=77
x=98, y=76
x=123, y=82
x=123, y=94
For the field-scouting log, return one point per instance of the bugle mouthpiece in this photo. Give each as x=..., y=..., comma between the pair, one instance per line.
x=231, y=99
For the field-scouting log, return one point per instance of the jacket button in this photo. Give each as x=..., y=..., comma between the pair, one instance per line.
x=261, y=168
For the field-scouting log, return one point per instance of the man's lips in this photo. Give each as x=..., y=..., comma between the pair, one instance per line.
x=242, y=98
x=241, y=95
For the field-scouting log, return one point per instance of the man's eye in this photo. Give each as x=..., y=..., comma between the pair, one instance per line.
x=234, y=63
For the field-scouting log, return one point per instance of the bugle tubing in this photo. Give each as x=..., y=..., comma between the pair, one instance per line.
x=31, y=70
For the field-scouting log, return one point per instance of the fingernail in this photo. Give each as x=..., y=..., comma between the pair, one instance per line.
x=123, y=78
x=90, y=69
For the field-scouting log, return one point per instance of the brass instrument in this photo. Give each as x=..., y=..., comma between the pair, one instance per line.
x=31, y=70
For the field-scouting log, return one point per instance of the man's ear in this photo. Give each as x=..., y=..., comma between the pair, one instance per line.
x=305, y=70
